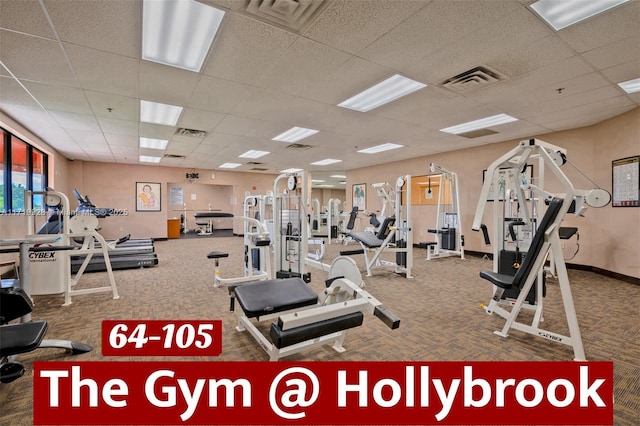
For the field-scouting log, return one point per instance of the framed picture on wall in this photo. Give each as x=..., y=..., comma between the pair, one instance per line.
x=626, y=182
x=359, y=194
x=148, y=197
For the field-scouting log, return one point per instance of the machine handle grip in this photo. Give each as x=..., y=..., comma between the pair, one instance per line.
x=512, y=232
x=387, y=317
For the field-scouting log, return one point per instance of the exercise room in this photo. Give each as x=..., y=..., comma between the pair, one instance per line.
x=319, y=212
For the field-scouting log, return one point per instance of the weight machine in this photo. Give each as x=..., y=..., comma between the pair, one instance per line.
x=389, y=237
x=504, y=181
x=449, y=239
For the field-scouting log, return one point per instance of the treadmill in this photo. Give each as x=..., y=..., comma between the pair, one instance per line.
x=127, y=254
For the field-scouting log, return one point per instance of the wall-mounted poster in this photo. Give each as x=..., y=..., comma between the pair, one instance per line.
x=359, y=194
x=147, y=197
x=626, y=182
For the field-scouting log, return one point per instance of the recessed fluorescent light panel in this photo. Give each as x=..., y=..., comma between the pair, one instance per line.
x=563, y=13
x=318, y=181
x=389, y=90
x=325, y=186
x=253, y=154
x=295, y=134
x=292, y=170
x=148, y=159
x=338, y=176
x=229, y=165
x=153, y=143
x=630, y=86
x=380, y=148
x=483, y=123
x=153, y=112
x=178, y=33
x=325, y=162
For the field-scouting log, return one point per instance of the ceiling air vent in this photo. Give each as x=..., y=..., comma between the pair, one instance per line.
x=259, y=169
x=293, y=15
x=298, y=147
x=472, y=79
x=192, y=133
x=174, y=156
x=254, y=163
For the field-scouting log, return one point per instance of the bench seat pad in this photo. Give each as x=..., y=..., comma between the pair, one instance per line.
x=368, y=239
x=271, y=296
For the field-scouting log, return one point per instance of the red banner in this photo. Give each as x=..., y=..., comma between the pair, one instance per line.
x=209, y=393
x=161, y=338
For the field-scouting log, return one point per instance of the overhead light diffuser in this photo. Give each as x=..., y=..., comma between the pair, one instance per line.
x=325, y=162
x=178, y=33
x=325, y=186
x=153, y=143
x=563, y=13
x=338, y=176
x=292, y=170
x=156, y=113
x=229, y=165
x=318, y=181
x=630, y=86
x=253, y=154
x=389, y=90
x=148, y=159
x=483, y=123
x=380, y=148
x=295, y=134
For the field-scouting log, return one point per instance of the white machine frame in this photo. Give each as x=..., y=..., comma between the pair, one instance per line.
x=552, y=157
x=344, y=296
x=81, y=225
x=450, y=180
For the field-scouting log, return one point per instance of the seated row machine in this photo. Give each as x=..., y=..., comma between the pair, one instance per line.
x=305, y=319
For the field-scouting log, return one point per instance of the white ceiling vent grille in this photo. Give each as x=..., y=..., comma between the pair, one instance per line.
x=191, y=133
x=298, y=147
x=294, y=15
x=472, y=79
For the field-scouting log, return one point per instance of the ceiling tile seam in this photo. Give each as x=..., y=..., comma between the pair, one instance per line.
x=75, y=77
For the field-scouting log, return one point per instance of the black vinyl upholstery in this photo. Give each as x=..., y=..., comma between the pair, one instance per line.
x=303, y=333
x=272, y=296
x=518, y=280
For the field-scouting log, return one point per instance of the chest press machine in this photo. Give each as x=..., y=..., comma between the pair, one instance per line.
x=303, y=319
x=545, y=243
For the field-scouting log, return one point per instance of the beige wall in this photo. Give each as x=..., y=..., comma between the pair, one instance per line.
x=609, y=237
x=114, y=186
x=325, y=194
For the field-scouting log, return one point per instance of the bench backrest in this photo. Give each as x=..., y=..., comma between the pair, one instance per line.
x=537, y=243
x=385, y=228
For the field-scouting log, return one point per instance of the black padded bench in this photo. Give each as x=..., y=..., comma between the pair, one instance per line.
x=273, y=296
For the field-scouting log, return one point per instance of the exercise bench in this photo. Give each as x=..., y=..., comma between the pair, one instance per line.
x=303, y=319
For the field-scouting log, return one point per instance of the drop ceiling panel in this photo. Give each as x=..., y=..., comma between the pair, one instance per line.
x=531, y=56
x=110, y=26
x=245, y=49
x=156, y=131
x=24, y=16
x=84, y=138
x=11, y=93
x=304, y=63
x=180, y=148
x=59, y=98
x=616, y=24
x=153, y=88
x=481, y=46
x=113, y=106
x=584, y=115
x=199, y=119
x=348, y=26
x=104, y=72
x=35, y=58
x=433, y=27
x=616, y=53
x=623, y=72
x=245, y=126
x=218, y=95
x=216, y=139
x=73, y=121
x=118, y=127
x=117, y=141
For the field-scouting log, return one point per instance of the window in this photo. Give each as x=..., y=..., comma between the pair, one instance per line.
x=22, y=167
